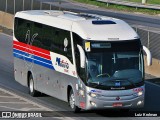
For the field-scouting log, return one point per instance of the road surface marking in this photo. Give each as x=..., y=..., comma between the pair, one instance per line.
x=38, y=107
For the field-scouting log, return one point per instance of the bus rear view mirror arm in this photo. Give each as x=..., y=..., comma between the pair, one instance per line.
x=149, y=56
x=82, y=56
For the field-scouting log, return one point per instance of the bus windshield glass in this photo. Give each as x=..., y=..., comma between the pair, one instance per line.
x=115, y=67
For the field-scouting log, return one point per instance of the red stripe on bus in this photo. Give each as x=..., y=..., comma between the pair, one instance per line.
x=32, y=52
x=35, y=52
x=32, y=47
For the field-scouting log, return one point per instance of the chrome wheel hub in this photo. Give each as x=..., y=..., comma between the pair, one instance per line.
x=31, y=85
x=72, y=101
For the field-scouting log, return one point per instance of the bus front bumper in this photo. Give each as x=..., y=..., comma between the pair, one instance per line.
x=95, y=103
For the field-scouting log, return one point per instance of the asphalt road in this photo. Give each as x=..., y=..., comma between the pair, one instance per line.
x=131, y=18
x=7, y=82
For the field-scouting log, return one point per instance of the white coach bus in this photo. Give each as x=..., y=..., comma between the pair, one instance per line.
x=88, y=60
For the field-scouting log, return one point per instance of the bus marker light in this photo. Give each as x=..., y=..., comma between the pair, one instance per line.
x=138, y=89
x=76, y=86
x=81, y=92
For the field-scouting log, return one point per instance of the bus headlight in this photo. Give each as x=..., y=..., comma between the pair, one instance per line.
x=140, y=93
x=93, y=94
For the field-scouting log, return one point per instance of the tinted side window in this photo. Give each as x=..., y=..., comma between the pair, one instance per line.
x=20, y=29
x=58, y=43
x=52, y=39
x=43, y=36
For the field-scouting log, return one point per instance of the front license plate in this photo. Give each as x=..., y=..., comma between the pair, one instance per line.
x=117, y=105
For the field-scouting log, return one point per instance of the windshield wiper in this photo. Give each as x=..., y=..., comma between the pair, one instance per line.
x=96, y=84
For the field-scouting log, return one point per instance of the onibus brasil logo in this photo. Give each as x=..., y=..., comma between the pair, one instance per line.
x=29, y=57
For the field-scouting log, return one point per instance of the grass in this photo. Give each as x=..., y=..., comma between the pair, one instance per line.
x=121, y=7
x=148, y=1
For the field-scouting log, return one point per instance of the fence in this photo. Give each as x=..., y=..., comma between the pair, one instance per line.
x=149, y=37
x=13, y=6
x=131, y=4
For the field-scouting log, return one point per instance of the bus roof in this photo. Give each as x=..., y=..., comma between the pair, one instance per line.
x=88, y=26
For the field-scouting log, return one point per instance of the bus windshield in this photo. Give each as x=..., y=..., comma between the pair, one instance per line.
x=114, y=70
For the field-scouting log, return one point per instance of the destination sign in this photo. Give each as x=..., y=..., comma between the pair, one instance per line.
x=101, y=45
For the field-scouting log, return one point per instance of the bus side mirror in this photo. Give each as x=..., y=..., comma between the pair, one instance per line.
x=149, y=56
x=82, y=56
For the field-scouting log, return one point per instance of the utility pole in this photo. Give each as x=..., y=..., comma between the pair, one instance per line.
x=59, y=4
x=144, y=1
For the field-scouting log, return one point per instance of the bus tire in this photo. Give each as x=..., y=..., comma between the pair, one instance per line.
x=72, y=105
x=32, y=91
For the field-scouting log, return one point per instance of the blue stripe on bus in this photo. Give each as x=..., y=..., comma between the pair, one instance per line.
x=33, y=56
x=34, y=61
x=17, y=55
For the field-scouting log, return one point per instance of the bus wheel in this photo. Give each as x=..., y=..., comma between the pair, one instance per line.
x=72, y=102
x=32, y=91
